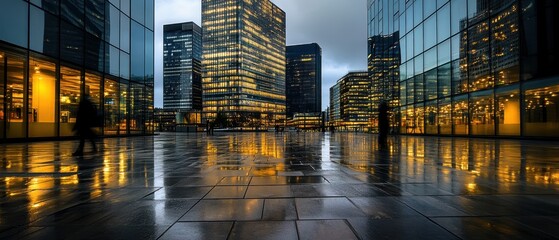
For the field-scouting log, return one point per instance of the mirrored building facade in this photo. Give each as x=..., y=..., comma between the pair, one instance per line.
x=52, y=52
x=244, y=62
x=474, y=67
x=182, y=56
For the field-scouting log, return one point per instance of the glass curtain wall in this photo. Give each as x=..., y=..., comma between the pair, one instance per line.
x=490, y=68
x=52, y=52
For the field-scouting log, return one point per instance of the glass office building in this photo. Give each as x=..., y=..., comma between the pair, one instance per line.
x=303, y=79
x=52, y=52
x=350, y=102
x=244, y=61
x=182, y=77
x=383, y=60
x=474, y=67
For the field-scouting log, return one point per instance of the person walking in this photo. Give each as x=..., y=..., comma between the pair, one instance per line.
x=86, y=119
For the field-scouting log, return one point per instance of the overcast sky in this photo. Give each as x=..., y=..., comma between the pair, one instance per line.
x=338, y=26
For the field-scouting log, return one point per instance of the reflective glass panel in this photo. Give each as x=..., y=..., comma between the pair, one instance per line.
x=508, y=112
x=149, y=14
x=478, y=57
x=418, y=62
x=124, y=65
x=111, y=100
x=443, y=25
x=459, y=76
x=71, y=43
x=123, y=109
x=15, y=94
x=541, y=110
x=455, y=47
x=125, y=6
x=137, y=104
x=418, y=125
x=482, y=114
x=505, y=43
x=70, y=95
x=418, y=36
x=403, y=75
x=149, y=58
x=444, y=120
x=430, y=32
x=443, y=80
x=403, y=93
x=419, y=88
x=409, y=19
x=124, y=33
x=112, y=60
x=137, y=53
x=48, y=5
x=431, y=117
x=138, y=10
x=429, y=7
x=149, y=110
x=72, y=11
x=403, y=49
x=430, y=59
x=431, y=84
x=443, y=52
x=410, y=90
x=112, y=25
x=41, y=98
x=13, y=22
x=460, y=118
x=94, y=52
x=94, y=22
x=43, y=35
x=458, y=12
x=417, y=12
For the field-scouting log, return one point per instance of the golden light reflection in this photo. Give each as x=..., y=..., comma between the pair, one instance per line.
x=471, y=187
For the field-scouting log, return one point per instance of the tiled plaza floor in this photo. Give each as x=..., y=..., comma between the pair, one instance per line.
x=281, y=186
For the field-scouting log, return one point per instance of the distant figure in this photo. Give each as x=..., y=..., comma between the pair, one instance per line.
x=86, y=119
x=383, y=125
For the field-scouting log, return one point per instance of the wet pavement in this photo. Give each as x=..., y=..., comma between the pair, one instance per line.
x=281, y=186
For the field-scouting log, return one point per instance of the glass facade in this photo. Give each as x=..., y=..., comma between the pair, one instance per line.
x=182, y=56
x=303, y=79
x=383, y=68
x=57, y=51
x=349, y=99
x=473, y=67
x=244, y=62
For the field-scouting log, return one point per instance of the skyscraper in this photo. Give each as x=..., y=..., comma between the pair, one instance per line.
x=52, y=53
x=474, y=67
x=303, y=79
x=244, y=61
x=182, y=56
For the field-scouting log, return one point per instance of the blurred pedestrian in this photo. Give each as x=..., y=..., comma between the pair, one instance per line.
x=86, y=119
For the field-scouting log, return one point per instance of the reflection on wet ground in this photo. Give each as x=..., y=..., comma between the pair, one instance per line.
x=281, y=186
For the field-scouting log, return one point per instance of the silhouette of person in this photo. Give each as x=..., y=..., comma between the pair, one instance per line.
x=383, y=125
x=85, y=121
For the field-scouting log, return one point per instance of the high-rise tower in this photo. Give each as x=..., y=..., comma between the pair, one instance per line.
x=244, y=61
x=303, y=79
x=182, y=56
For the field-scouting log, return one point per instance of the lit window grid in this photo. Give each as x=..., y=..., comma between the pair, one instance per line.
x=478, y=81
x=234, y=57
